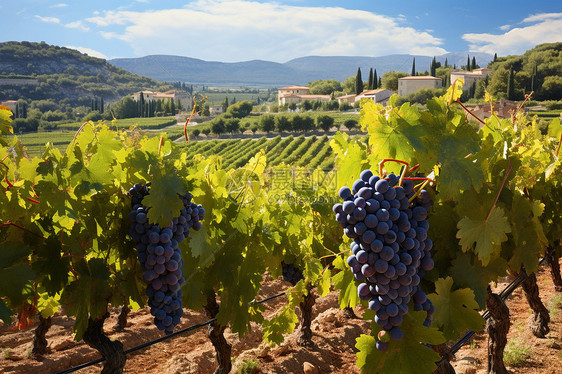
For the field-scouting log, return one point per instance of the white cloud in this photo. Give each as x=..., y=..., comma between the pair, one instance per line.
x=237, y=30
x=77, y=25
x=88, y=51
x=48, y=19
x=59, y=5
x=546, y=28
x=505, y=27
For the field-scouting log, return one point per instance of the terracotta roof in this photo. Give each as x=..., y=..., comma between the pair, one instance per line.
x=315, y=97
x=420, y=77
x=345, y=96
x=295, y=88
x=372, y=92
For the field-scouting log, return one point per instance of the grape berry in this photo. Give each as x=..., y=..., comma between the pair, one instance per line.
x=291, y=273
x=390, y=248
x=160, y=257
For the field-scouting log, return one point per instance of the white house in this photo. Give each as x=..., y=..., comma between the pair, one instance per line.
x=380, y=95
x=408, y=85
x=215, y=110
x=298, y=94
x=470, y=77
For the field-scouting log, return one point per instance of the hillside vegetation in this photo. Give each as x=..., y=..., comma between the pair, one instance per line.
x=65, y=75
x=539, y=70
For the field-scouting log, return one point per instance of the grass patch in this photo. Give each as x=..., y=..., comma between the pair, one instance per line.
x=516, y=353
x=248, y=367
x=554, y=305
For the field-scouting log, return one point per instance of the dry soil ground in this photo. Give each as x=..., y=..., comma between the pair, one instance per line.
x=333, y=351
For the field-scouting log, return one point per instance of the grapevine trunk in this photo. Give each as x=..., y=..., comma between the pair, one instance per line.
x=444, y=366
x=122, y=319
x=39, y=340
x=497, y=327
x=555, y=268
x=541, y=319
x=349, y=313
x=305, y=337
x=215, y=333
x=111, y=350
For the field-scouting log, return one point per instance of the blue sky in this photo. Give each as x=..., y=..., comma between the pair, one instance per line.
x=241, y=30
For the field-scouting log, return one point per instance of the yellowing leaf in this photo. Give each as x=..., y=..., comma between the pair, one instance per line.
x=486, y=235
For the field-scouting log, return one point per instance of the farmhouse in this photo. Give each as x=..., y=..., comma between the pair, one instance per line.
x=469, y=77
x=183, y=97
x=408, y=85
x=346, y=99
x=298, y=94
x=380, y=95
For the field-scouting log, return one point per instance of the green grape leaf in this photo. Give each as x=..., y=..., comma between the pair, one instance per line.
x=345, y=282
x=554, y=128
x=487, y=235
x=13, y=281
x=283, y=323
x=324, y=283
x=350, y=158
x=163, y=200
x=48, y=305
x=51, y=266
x=12, y=252
x=88, y=295
x=528, y=235
x=6, y=121
x=406, y=356
x=455, y=311
x=471, y=274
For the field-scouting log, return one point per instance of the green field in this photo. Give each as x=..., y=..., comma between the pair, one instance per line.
x=143, y=123
x=301, y=151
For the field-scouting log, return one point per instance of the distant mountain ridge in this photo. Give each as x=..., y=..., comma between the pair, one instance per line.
x=259, y=73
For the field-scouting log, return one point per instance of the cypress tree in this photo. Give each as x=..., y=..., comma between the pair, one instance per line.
x=495, y=57
x=101, y=105
x=473, y=63
x=16, y=111
x=375, y=80
x=358, y=82
x=413, y=74
x=433, y=67
x=380, y=82
x=141, y=105
x=370, y=82
x=172, y=107
x=468, y=63
x=510, y=85
x=446, y=64
x=24, y=110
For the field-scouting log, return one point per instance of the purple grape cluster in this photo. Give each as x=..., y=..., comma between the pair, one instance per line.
x=160, y=257
x=291, y=273
x=391, y=250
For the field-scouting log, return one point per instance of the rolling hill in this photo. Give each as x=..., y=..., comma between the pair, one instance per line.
x=258, y=73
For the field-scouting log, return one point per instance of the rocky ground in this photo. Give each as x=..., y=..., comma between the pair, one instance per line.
x=333, y=336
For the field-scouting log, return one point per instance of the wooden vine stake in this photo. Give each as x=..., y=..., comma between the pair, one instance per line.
x=111, y=350
x=305, y=337
x=215, y=333
x=497, y=328
x=541, y=318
